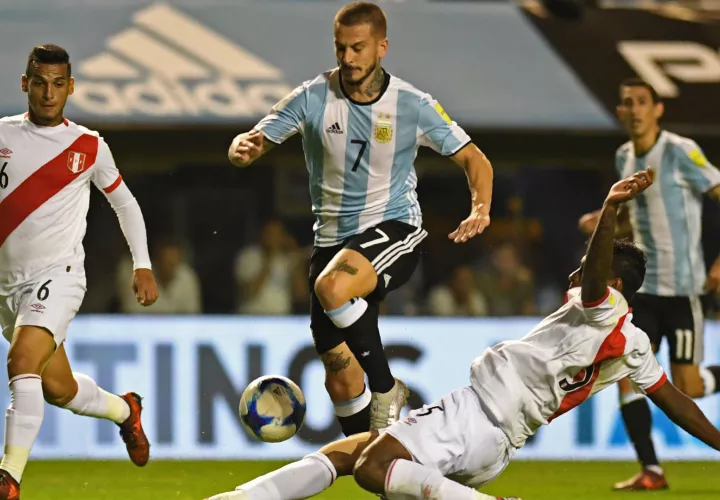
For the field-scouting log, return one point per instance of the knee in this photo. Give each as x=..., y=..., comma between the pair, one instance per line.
x=330, y=292
x=58, y=394
x=369, y=471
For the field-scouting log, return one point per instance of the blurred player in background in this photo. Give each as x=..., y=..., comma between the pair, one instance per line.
x=665, y=221
x=515, y=387
x=361, y=130
x=46, y=166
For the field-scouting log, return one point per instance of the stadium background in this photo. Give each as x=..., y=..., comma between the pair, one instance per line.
x=170, y=84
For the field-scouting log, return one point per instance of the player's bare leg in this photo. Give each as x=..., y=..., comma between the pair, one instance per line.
x=386, y=468
x=307, y=477
x=345, y=383
x=30, y=349
x=81, y=395
x=342, y=288
x=638, y=423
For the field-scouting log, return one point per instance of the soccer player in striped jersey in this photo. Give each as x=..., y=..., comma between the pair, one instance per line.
x=361, y=129
x=665, y=221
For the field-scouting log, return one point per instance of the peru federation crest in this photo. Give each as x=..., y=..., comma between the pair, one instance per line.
x=76, y=162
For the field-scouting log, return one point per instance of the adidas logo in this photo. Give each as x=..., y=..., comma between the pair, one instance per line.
x=168, y=65
x=334, y=129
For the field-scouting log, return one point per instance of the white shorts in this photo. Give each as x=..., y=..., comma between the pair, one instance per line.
x=454, y=436
x=51, y=302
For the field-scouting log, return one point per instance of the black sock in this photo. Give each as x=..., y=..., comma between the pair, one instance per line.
x=357, y=423
x=363, y=339
x=358, y=320
x=638, y=423
x=715, y=370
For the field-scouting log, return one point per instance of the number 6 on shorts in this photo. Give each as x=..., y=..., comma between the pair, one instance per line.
x=44, y=292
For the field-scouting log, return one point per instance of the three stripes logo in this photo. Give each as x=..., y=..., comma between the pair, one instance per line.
x=167, y=64
x=334, y=129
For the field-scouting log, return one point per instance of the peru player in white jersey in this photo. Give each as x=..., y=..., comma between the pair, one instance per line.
x=515, y=388
x=361, y=129
x=47, y=164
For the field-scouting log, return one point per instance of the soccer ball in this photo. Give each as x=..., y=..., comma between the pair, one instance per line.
x=272, y=408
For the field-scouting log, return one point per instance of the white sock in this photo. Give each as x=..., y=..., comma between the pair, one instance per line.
x=93, y=401
x=355, y=405
x=708, y=381
x=23, y=419
x=407, y=480
x=626, y=399
x=348, y=313
x=302, y=479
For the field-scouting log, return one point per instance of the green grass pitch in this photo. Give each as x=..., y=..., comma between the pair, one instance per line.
x=168, y=480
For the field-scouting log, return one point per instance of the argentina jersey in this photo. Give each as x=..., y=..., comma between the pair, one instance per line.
x=360, y=156
x=666, y=219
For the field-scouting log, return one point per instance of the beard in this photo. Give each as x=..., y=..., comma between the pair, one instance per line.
x=356, y=82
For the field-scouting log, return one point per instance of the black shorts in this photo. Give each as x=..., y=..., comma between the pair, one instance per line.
x=392, y=247
x=680, y=319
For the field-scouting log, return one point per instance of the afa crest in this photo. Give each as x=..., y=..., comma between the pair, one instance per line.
x=383, y=132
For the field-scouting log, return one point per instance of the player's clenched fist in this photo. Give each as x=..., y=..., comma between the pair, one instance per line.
x=246, y=148
x=144, y=286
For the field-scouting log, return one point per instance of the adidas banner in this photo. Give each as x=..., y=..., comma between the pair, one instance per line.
x=678, y=56
x=186, y=63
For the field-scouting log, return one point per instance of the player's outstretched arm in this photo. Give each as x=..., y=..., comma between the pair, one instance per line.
x=479, y=172
x=623, y=228
x=684, y=412
x=599, y=256
x=248, y=147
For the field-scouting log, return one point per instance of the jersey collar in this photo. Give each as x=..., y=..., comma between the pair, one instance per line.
x=385, y=86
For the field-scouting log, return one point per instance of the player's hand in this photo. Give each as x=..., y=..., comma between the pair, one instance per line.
x=246, y=148
x=588, y=222
x=475, y=224
x=144, y=286
x=629, y=188
x=712, y=285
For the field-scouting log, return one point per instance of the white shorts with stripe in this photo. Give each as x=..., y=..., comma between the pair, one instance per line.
x=51, y=300
x=455, y=436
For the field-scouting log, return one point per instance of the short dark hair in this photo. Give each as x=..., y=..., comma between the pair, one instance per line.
x=639, y=82
x=363, y=12
x=629, y=263
x=47, y=54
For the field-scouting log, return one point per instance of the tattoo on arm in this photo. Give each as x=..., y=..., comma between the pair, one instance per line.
x=346, y=268
x=599, y=257
x=335, y=362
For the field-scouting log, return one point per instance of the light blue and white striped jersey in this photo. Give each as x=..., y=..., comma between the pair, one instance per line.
x=360, y=156
x=666, y=218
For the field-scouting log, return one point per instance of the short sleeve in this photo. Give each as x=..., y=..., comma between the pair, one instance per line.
x=437, y=130
x=609, y=308
x=287, y=117
x=695, y=169
x=646, y=372
x=105, y=174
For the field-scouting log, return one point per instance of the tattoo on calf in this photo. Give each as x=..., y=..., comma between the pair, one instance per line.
x=347, y=268
x=335, y=362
